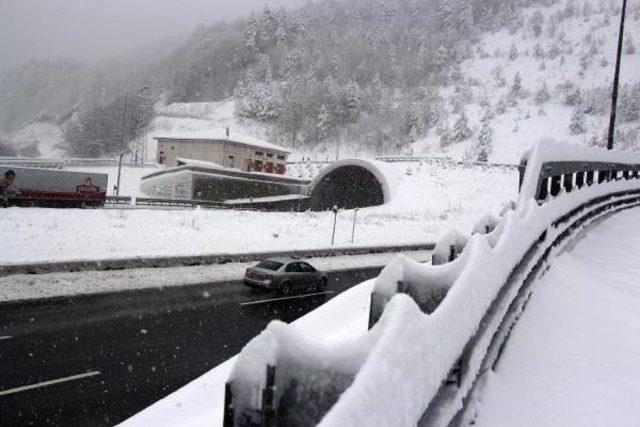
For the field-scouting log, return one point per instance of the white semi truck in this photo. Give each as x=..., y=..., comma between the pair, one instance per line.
x=54, y=188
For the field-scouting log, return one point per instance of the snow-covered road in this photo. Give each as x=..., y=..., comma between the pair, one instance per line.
x=573, y=357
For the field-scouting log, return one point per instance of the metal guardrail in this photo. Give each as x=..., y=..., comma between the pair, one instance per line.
x=118, y=200
x=447, y=160
x=154, y=201
x=293, y=402
x=191, y=260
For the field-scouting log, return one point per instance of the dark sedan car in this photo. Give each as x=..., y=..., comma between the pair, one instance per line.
x=285, y=275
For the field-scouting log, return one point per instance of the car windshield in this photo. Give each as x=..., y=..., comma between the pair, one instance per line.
x=270, y=265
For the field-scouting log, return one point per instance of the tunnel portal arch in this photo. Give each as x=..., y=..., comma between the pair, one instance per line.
x=348, y=184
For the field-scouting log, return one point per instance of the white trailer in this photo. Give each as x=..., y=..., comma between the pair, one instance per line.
x=55, y=188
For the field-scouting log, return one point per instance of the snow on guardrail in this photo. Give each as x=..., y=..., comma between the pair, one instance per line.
x=432, y=327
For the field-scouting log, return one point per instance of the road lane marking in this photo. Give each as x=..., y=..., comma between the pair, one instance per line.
x=6, y=337
x=48, y=383
x=264, y=301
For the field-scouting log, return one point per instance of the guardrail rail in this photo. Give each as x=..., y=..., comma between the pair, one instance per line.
x=434, y=330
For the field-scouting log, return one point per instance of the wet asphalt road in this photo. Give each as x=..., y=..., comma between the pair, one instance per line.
x=97, y=360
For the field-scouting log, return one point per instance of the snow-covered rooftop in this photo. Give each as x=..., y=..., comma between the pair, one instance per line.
x=220, y=135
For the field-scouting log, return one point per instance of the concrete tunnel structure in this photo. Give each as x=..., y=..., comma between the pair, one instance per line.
x=348, y=184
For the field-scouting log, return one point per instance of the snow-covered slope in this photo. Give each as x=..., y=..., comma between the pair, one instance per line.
x=570, y=45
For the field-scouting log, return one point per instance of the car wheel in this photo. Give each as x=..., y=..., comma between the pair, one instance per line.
x=285, y=288
x=322, y=284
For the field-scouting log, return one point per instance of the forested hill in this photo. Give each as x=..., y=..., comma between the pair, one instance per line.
x=383, y=74
x=365, y=68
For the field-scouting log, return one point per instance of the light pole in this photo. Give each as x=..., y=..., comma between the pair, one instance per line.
x=124, y=121
x=616, y=80
x=353, y=230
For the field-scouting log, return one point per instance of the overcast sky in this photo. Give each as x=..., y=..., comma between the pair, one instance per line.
x=96, y=29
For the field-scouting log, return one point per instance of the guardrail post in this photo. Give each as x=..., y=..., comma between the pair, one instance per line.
x=543, y=191
x=452, y=252
x=401, y=289
x=555, y=185
x=590, y=176
x=580, y=179
x=568, y=182
x=602, y=176
x=268, y=411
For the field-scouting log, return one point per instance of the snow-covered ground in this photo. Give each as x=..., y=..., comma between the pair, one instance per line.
x=201, y=402
x=27, y=286
x=573, y=357
x=425, y=204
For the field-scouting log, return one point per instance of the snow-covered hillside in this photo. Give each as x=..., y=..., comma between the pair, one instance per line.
x=556, y=51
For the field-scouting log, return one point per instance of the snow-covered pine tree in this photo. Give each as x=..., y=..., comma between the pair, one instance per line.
x=484, y=145
x=414, y=125
x=513, y=52
x=251, y=34
x=444, y=132
x=542, y=94
x=577, y=124
x=461, y=130
x=323, y=123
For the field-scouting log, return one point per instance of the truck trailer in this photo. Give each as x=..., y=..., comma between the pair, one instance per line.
x=55, y=188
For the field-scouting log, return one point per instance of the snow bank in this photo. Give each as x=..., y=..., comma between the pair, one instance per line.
x=572, y=361
x=410, y=353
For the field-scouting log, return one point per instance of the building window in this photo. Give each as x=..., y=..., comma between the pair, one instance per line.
x=281, y=157
x=270, y=155
x=259, y=153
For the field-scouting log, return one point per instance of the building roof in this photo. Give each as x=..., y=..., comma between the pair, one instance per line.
x=220, y=135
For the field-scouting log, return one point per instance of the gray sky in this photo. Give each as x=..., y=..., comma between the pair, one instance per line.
x=96, y=29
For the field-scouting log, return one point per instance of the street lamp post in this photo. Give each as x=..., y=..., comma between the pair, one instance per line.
x=616, y=80
x=124, y=122
x=353, y=230
x=335, y=220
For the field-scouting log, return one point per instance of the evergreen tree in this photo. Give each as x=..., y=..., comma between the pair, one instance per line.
x=414, y=123
x=323, y=125
x=577, y=124
x=484, y=145
x=542, y=94
x=516, y=88
x=444, y=132
x=513, y=52
x=461, y=130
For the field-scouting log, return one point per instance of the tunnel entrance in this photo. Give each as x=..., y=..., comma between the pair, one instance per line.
x=348, y=187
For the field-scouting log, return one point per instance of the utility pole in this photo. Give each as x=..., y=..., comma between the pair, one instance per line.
x=616, y=80
x=225, y=157
x=337, y=143
x=124, y=122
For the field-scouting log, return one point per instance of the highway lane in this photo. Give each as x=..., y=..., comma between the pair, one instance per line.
x=98, y=359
